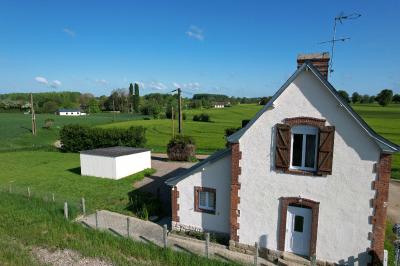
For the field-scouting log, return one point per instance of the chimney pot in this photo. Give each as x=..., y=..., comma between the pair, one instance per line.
x=319, y=60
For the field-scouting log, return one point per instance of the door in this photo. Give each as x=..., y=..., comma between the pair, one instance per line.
x=298, y=230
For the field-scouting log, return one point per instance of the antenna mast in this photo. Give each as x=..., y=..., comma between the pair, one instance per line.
x=340, y=18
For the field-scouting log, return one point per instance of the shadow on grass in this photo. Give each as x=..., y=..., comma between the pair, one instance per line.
x=76, y=170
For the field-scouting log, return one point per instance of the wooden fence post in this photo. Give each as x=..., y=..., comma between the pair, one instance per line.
x=165, y=230
x=83, y=206
x=29, y=192
x=66, y=210
x=207, y=245
x=127, y=226
x=9, y=188
x=97, y=219
x=256, y=254
x=54, y=199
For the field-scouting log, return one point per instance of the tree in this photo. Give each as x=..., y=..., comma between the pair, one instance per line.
x=265, y=100
x=344, y=95
x=396, y=98
x=49, y=107
x=365, y=98
x=384, y=97
x=93, y=106
x=131, y=98
x=371, y=99
x=355, y=97
x=136, y=98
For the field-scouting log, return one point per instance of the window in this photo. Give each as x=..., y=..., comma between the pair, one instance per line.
x=204, y=199
x=298, y=223
x=304, y=148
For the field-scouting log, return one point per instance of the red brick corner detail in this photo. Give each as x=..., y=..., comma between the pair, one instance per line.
x=378, y=221
x=297, y=201
x=174, y=203
x=235, y=187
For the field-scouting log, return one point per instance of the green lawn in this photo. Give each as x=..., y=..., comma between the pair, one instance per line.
x=25, y=224
x=15, y=128
x=386, y=122
x=59, y=173
x=209, y=136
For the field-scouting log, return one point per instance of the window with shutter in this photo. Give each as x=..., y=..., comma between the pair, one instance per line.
x=325, y=150
x=204, y=199
x=282, y=147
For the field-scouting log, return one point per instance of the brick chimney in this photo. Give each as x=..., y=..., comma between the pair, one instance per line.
x=319, y=60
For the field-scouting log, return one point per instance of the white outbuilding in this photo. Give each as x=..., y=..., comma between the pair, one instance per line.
x=114, y=162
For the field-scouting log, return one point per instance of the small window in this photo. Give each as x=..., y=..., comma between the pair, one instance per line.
x=298, y=223
x=304, y=148
x=205, y=199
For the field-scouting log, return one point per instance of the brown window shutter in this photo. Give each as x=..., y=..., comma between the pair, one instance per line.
x=325, y=150
x=282, y=152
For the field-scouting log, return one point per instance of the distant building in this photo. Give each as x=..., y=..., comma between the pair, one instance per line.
x=70, y=112
x=219, y=105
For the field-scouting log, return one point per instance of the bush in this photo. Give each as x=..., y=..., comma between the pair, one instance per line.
x=245, y=122
x=75, y=138
x=48, y=123
x=384, y=97
x=181, y=148
x=203, y=117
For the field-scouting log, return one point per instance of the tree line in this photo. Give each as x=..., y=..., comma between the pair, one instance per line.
x=153, y=104
x=383, y=98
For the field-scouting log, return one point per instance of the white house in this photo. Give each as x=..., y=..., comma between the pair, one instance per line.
x=114, y=162
x=306, y=176
x=69, y=112
x=219, y=105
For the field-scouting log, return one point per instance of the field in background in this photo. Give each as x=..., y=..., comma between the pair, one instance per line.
x=15, y=128
x=209, y=136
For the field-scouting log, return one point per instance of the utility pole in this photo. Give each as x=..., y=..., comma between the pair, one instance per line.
x=173, y=122
x=33, y=117
x=179, y=111
x=113, y=110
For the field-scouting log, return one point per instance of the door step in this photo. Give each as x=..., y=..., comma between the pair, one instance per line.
x=290, y=259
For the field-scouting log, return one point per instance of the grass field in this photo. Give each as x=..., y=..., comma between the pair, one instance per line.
x=15, y=128
x=46, y=173
x=25, y=224
x=209, y=136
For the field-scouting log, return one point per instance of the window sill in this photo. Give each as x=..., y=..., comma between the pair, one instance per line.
x=204, y=211
x=300, y=172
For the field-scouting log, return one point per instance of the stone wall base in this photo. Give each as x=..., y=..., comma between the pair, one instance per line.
x=268, y=254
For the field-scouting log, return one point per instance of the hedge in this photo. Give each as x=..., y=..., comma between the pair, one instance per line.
x=75, y=138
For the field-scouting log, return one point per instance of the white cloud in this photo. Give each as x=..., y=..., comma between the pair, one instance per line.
x=42, y=80
x=101, y=81
x=157, y=86
x=55, y=84
x=69, y=32
x=195, y=33
x=190, y=85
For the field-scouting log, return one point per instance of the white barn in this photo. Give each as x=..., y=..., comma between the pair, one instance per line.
x=69, y=112
x=114, y=162
x=306, y=176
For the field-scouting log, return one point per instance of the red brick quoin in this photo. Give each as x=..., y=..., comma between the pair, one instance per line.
x=174, y=203
x=235, y=187
x=381, y=185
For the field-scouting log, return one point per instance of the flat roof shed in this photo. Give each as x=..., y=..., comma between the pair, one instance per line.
x=114, y=162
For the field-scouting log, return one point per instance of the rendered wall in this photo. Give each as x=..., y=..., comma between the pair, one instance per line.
x=344, y=196
x=216, y=175
x=133, y=163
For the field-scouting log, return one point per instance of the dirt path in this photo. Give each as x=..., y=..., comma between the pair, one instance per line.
x=65, y=257
x=394, y=201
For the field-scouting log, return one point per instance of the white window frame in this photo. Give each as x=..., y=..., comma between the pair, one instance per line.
x=207, y=206
x=304, y=130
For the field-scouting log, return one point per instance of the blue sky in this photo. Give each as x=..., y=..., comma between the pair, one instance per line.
x=241, y=48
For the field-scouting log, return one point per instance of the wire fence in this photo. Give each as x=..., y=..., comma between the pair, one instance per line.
x=74, y=207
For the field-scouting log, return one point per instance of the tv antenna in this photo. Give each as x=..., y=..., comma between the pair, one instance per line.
x=339, y=18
